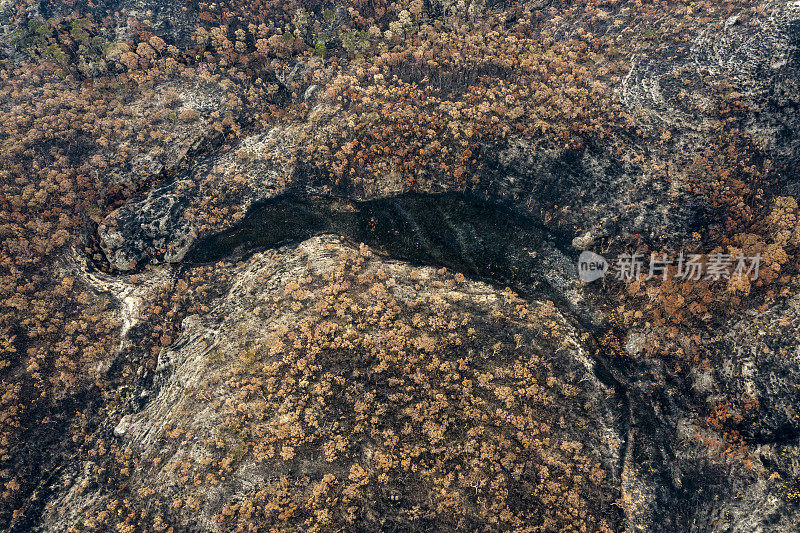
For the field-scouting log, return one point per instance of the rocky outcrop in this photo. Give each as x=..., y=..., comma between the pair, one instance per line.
x=308, y=349
x=343, y=380
x=164, y=225
x=363, y=388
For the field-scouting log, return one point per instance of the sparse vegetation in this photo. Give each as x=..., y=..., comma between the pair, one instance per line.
x=423, y=94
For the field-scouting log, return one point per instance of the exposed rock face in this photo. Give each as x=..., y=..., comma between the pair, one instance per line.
x=163, y=226
x=595, y=191
x=774, y=383
x=756, y=378
x=452, y=373
x=378, y=394
x=633, y=437
x=342, y=381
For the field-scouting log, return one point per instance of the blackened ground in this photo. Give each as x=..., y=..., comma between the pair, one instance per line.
x=456, y=231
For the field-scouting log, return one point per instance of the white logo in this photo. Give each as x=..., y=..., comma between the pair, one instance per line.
x=591, y=266
x=691, y=266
